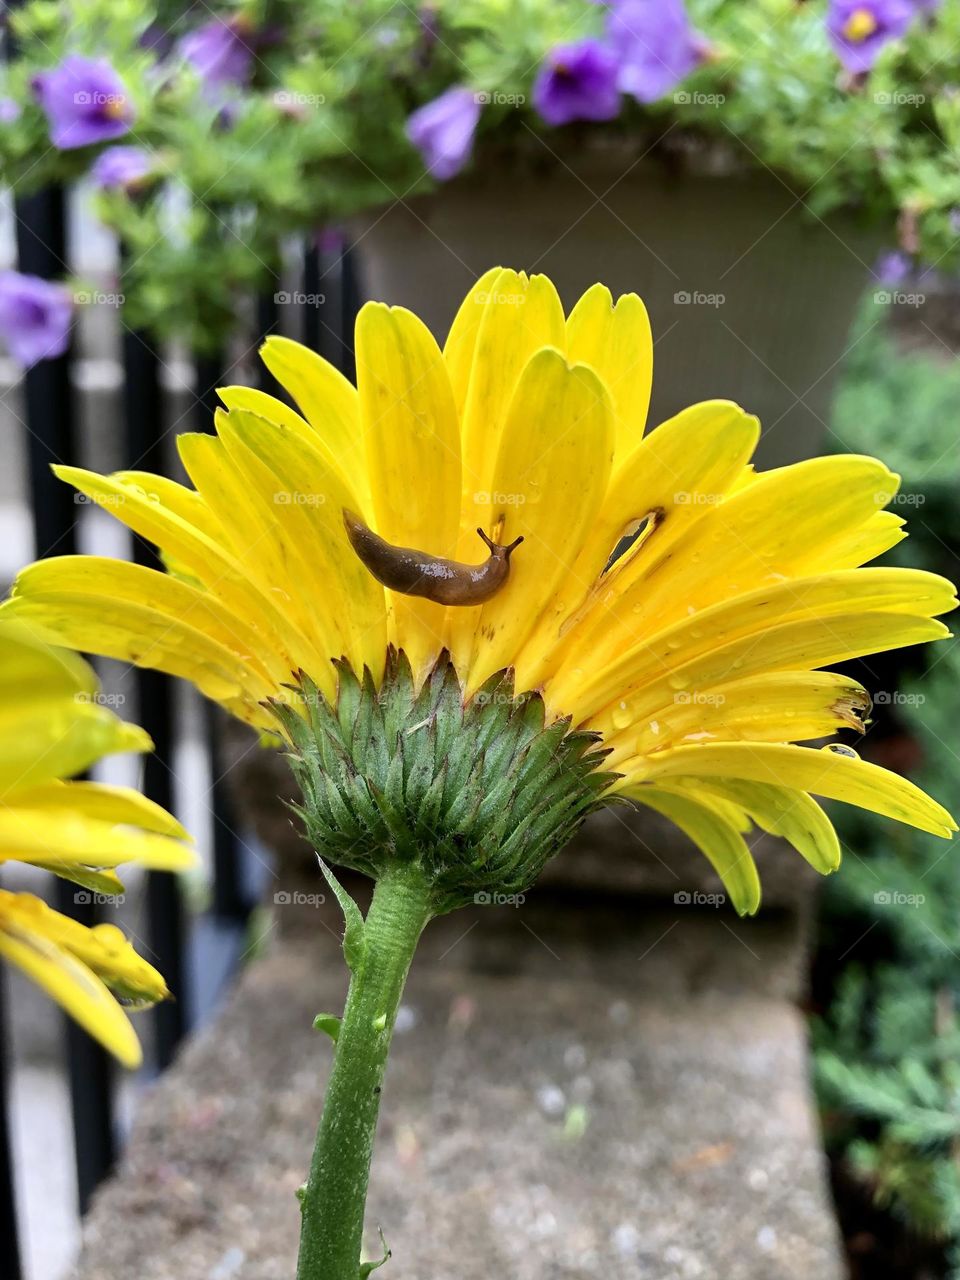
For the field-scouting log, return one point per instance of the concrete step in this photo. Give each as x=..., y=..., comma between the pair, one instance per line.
x=576, y=1090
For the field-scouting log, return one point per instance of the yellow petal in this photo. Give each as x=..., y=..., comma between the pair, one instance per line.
x=185, y=503
x=796, y=646
x=616, y=342
x=673, y=477
x=105, y=950
x=105, y=803
x=461, y=343
x=280, y=459
x=296, y=428
x=75, y=988
x=206, y=558
x=413, y=452
x=326, y=399
x=770, y=707
x=549, y=481
x=44, y=835
x=58, y=739
x=520, y=316
x=792, y=815
x=26, y=664
x=774, y=529
x=825, y=773
x=227, y=642
x=90, y=618
x=717, y=838
x=584, y=689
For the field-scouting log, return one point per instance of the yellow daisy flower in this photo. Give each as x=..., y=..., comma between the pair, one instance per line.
x=53, y=724
x=692, y=655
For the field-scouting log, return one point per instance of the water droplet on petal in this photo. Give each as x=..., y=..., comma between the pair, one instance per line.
x=840, y=749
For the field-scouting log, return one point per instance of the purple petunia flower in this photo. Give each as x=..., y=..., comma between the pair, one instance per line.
x=860, y=29
x=34, y=317
x=85, y=102
x=656, y=45
x=121, y=167
x=442, y=131
x=219, y=52
x=577, y=82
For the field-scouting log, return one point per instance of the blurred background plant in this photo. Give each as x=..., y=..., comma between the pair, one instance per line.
x=202, y=165
x=887, y=977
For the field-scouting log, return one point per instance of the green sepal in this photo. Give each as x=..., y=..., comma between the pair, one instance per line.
x=478, y=792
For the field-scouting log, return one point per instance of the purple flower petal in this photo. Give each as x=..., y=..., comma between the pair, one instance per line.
x=219, y=52
x=577, y=82
x=85, y=102
x=10, y=111
x=442, y=131
x=35, y=317
x=860, y=29
x=657, y=46
x=121, y=167
x=893, y=268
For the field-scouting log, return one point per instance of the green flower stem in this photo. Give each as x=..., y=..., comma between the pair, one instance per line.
x=333, y=1200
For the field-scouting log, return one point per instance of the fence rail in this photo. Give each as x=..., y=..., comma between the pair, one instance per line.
x=50, y=426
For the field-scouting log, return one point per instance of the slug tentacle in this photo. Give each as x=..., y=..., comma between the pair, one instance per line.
x=414, y=573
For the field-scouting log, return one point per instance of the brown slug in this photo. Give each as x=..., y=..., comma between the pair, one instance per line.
x=414, y=573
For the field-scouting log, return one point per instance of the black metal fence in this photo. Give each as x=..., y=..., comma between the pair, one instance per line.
x=52, y=436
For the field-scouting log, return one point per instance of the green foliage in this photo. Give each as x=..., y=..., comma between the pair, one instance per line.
x=319, y=133
x=888, y=1046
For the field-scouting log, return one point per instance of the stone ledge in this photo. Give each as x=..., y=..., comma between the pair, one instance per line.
x=633, y=1116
